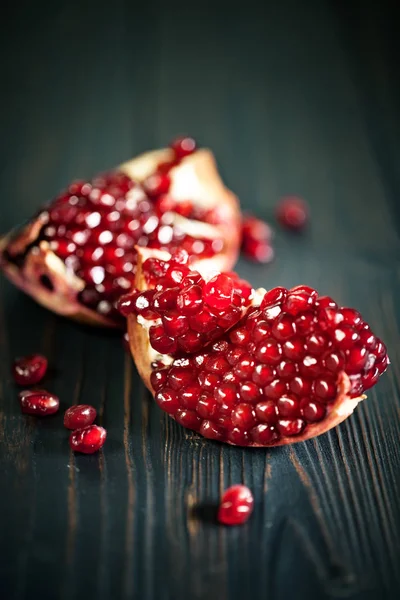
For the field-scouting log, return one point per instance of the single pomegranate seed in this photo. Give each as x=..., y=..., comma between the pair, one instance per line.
x=88, y=440
x=39, y=403
x=157, y=184
x=236, y=505
x=218, y=292
x=79, y=416
x=29, y=370
x=183, y=146
x=274, y=297
x=292, y=213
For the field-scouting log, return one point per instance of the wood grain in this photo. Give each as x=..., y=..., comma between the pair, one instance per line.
x=293, y=97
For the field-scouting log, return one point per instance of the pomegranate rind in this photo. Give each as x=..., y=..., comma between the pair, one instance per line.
x=196, y=177
x=340, y=409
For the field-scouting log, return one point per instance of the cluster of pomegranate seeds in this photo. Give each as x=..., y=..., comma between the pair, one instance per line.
x=29, y=370
x=79, y=416
x=88, y=440
x=39, y=403
x=236, y=505
x=292, y=213
x=275, y=372
x=94, y=226
x=189, y=312
x=256, y=240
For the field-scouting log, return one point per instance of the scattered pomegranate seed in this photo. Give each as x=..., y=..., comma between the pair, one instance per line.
x=79, y=416
x=29, y=370
x=88, y=440
x=292, y=213
x=256, y=240
x=39, y=403
x=236, y=505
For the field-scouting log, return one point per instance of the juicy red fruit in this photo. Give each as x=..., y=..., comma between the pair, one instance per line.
x=236, y=505
x=79, y=416
x=88, y=439
x=29, y=370
x=93, y=228
x=276, y=374
x=39, y=403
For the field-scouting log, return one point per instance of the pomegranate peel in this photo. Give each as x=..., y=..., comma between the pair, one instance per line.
x=76, y=257
x=292, y=368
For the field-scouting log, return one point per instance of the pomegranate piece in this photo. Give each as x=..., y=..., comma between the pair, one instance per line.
x=236, y=505
x=256, y=240
x=292, y=213
x=88, y=440
x=293, y=366
x=39, y=403
x=29, y=370
x=186, y=312
x=78, y=255
x=79, y=416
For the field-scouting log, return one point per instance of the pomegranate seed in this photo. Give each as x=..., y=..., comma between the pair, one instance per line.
x=218, y=292
x=292, y=213
x=236, y=505
x=39, y=403
x=79, y=416
x=183, y=146
x=29, y=370
x=88, y=440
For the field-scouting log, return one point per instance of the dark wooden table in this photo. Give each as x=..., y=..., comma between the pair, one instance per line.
x=292, y=100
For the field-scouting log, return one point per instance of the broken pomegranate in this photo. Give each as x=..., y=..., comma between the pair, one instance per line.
x=79, y=416
x=294, y=366
x=77, y=256
x=256, y=240
x=88, y=440
x=39, y=403
x=236, y=505
x=292, y=213
x=185, y=312
x=29, y=370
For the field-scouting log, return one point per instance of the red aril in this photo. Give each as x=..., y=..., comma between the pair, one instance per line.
x=39, y=403
x=256, y=240
x=88, y=440
x=292, y=213
x=236, y=505
x=29, y=370
x=79, y=416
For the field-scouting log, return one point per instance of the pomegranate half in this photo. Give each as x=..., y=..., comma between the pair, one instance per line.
x=292, y=367
x=77, y=257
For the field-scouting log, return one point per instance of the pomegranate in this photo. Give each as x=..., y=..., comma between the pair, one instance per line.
x=185, y=312
x=294, y=366
x=79, y=416
x=39, y=403
x=29, y=370
x=77, y=255
x=292, y=213
x=236, y=505
x=88, y=440
x=256, y=240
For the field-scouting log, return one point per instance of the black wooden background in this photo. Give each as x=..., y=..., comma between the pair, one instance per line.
x=293, y=97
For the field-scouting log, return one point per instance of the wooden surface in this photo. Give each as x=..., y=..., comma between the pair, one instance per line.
x=292, y=101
